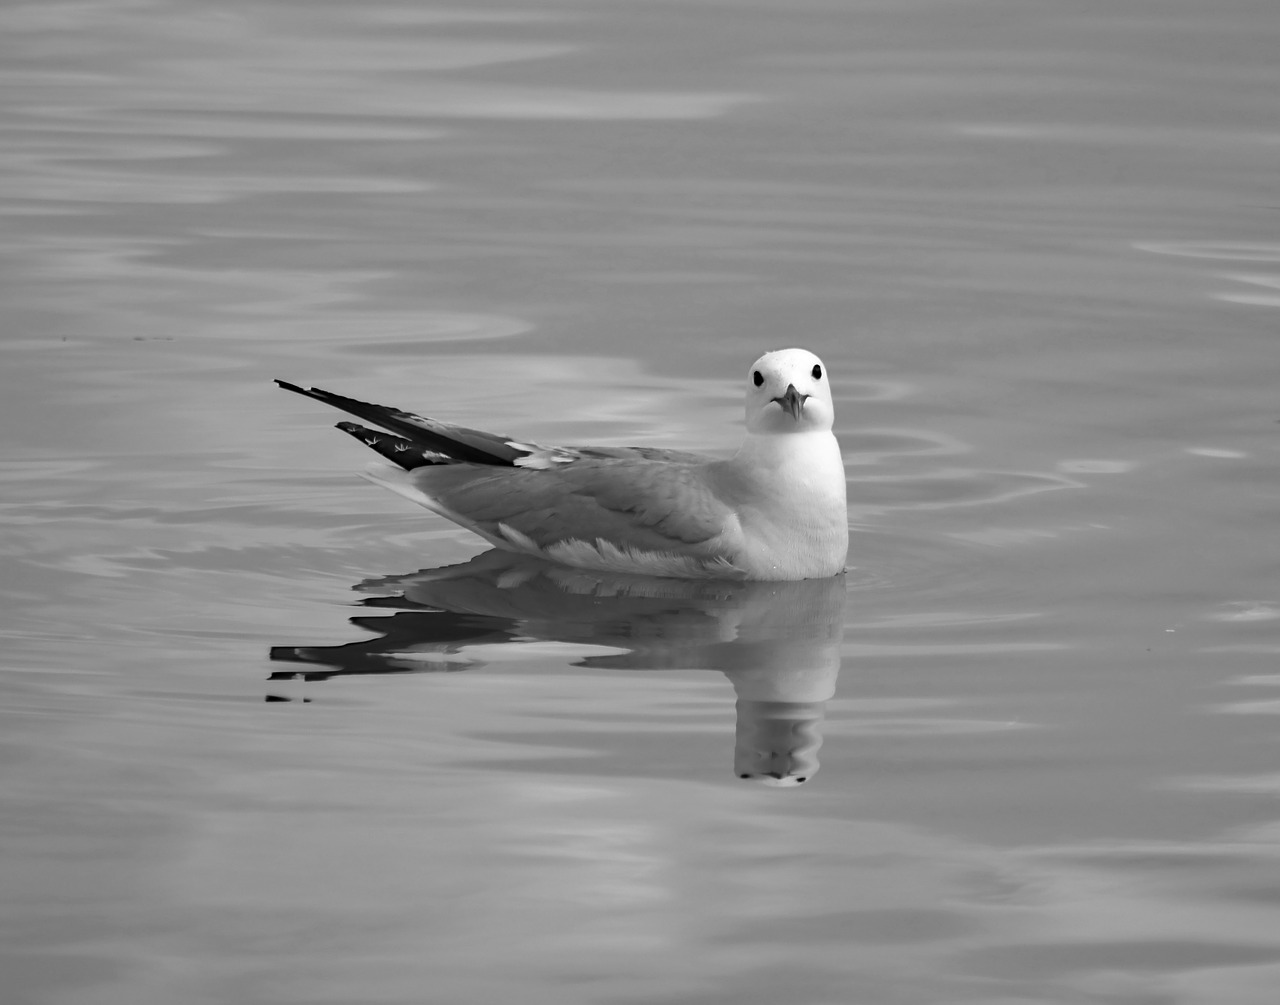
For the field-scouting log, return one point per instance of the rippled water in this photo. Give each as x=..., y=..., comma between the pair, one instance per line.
x=272, y=735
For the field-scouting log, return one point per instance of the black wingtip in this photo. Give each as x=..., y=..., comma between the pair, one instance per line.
x=306, y=392
x=400, y=451
x=364, y=409
x=457, y=443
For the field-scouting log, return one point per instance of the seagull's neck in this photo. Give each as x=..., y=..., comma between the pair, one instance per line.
x=791, y=453
x=793, y=467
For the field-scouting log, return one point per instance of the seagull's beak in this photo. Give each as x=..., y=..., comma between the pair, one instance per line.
x=792, y=402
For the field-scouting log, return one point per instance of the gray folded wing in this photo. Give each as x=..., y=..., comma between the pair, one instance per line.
x=651, y=505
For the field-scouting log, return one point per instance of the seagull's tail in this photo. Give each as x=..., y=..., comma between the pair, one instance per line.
x=416, y=440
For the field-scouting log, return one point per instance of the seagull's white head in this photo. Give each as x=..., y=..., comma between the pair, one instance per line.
x=788, y=392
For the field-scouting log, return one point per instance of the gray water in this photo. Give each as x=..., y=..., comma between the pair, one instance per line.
x=1038, y=246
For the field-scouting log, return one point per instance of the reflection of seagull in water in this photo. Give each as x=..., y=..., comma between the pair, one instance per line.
x=774, y=511
x=778, y=643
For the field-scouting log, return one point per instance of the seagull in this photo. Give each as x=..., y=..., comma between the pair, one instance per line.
x=774, y=511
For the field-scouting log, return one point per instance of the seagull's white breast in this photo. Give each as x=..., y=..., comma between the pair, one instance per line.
x=789, y=495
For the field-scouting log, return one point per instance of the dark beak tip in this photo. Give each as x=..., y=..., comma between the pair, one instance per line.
x=792, y=402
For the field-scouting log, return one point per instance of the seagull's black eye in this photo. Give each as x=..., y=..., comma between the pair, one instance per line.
x=817, y=372
x=758, y=378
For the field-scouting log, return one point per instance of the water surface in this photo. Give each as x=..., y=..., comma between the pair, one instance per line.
x=1036, y=246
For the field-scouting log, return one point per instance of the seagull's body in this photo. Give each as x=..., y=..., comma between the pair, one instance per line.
x=774, y=511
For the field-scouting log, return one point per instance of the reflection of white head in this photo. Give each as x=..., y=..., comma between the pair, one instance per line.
x=788, y=392
x=777, y=741
x=780, y=712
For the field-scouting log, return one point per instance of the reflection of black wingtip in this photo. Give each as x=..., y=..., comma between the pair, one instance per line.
x=386, y=655
x=295, y=654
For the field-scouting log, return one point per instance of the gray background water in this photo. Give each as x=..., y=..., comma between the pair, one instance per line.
x=1038, y=245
